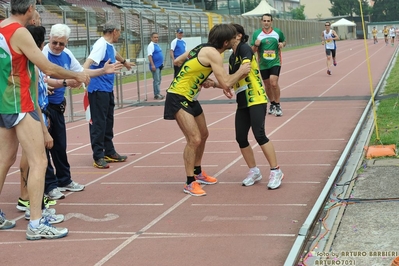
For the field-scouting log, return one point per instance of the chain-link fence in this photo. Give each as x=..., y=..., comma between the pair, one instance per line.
x=138, y=24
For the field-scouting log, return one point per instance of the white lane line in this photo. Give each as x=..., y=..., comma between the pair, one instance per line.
x=148, y=235
x=307, y=151
x=169, y=166
x=218, y=218
x=111, y=204
x=250, y=205
x=312, y=140
x=207, y=152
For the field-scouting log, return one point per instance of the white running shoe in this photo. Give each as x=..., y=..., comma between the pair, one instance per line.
x=45, y=230
x=251, y=178
x=275, y=178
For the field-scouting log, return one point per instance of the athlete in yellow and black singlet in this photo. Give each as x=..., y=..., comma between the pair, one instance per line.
x=185, y=87
x=192, y=74
x=249, y=90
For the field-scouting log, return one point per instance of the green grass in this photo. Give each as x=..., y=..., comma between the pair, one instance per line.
x=388, y=112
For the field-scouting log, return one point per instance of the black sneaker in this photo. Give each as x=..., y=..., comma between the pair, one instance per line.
x=115, y=158
x=101, y=164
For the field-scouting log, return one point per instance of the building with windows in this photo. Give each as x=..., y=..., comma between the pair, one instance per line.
x=316, y=9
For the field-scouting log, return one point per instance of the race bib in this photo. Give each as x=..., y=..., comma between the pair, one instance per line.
x=269, y=54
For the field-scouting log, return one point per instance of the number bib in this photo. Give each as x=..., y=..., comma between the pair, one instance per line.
x=269, y=54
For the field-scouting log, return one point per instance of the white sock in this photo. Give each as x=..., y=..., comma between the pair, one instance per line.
x=255, y=169
x=34, y=223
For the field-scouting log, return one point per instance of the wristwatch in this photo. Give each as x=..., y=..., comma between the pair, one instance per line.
x=64, y=83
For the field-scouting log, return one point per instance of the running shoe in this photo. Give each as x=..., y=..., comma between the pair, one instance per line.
x=275, y=178
x=278, y=111
x=101, y=164
x=272, y=109
x=328, y=72
x=4, y=223
x=22, y=205
x=194, y=189
x=49, y=202
x=55, y=194
x=205, y=179
x=50, y=215
x=45, y=230
x=115, y=158
x=335, y=62
x=251, y=178
x=73, y=186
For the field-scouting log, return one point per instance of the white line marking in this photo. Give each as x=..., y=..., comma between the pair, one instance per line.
x=111, y=204
x=169, y=166
x=250, y=205
x=81, y=216
x=209, y=152
x=218, y=218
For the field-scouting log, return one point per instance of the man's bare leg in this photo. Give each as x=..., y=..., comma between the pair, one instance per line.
x=275, y=88
x=24, y=171
x=190, y=129
x=203, y=128
x=30, y=135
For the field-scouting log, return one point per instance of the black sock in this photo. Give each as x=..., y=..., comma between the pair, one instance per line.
x=275, y=168
x=197, y=170
x=277, y=104
x=190, y=179
x=43, y=205
x=273, y=103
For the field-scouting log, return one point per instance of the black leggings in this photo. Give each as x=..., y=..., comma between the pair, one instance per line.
x=254, y=117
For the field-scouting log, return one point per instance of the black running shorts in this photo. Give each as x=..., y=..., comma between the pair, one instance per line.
x=266, y=73
x=175, y=102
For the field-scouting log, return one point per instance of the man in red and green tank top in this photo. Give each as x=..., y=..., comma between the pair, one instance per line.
x=267, y=42
x=19, y=119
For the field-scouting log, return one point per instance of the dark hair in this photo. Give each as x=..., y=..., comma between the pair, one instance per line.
x=38, y=33
x=221, y=33
x=240, y=29
x=267, y=15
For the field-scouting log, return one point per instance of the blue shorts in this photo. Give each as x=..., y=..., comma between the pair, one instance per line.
x=11, y=120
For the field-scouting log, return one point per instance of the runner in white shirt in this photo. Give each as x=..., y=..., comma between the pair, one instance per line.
x=329, y=37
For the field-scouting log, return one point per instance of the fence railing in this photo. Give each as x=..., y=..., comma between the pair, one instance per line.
x=138, y=24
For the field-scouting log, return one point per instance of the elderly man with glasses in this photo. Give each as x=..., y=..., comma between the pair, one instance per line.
x=328, y=37
x=57, y=53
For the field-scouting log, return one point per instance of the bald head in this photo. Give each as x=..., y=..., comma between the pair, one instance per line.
x=36, y=19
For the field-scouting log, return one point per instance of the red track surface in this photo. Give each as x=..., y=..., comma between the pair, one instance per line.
x=135, y=213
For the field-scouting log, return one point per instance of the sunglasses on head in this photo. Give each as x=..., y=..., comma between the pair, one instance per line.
x=59, y=43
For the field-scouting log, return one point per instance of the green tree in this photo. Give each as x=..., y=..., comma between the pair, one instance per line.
x=248, y=5
x=349, y=7
x=298, y=13
x=385, y=10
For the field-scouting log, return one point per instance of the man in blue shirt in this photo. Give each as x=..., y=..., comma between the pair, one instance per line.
x=155, y=57
x=101, y=97
x=177, y=48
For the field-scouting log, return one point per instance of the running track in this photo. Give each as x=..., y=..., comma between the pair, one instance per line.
x=135, y=213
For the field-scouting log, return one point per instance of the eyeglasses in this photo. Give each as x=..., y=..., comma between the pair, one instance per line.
x=267, y=20
x=62, y=44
